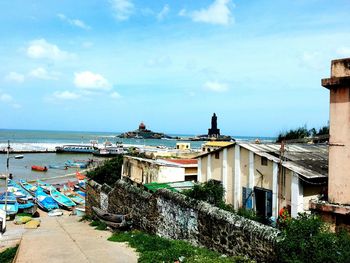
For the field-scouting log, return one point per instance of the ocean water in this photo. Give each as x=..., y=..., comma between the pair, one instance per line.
x=71, y=137
x=21, y=168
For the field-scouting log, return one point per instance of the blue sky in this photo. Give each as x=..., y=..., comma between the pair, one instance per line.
x=108, y=65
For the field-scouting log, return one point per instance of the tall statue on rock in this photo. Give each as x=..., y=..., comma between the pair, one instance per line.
x=214, y=131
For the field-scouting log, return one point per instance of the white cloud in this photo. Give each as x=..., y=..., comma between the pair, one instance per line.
x=344, y=51
x=42, y=73
x=5, y=97
x=162, y=61
x=219, y=13
x=66, y=95
x=216, y=86
x=15, y=77
x=8, y=99
x=115, y=95
x=123, y=9
x=16, y=106
x=87, y=44
x=312, y=60
x=40, y=48
x=74, y=22
x=88, y=80
x=163, y=13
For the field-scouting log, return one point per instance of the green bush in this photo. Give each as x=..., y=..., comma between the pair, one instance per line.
x=308, y=239
x=109, y=172
x=211, y=191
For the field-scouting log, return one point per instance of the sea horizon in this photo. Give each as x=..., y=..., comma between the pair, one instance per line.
x=5, y=132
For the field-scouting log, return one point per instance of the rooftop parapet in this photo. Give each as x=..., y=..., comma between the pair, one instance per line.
x=340, y=74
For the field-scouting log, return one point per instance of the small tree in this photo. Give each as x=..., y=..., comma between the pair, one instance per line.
x=109, y=172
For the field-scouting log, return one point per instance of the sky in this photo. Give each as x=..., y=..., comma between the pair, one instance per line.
x=107, y=65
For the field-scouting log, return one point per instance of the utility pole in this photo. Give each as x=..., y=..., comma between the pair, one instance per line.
x=7, y=174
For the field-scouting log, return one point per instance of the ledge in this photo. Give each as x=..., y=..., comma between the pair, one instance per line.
x=330, y=208
x=336, y=82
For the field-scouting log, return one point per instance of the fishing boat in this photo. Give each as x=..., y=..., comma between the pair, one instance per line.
x=39, y=168
x=81, y=193
x=76, y=198
x=18, y=191
x=45, y=186
x=11, y=203
x=44, y=201
x=28, y=187
x=80, y=176
x=58, y=166
x=25, y=200
x=76, y=148
x=109, y=151
x=61, y=199
x=70, y=163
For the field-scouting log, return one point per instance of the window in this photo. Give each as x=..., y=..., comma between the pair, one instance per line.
x=217, y=155
x=263, y=161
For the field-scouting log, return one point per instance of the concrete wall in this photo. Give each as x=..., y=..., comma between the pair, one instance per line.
x=146, y=172
x=173, y=215
x=339, y=146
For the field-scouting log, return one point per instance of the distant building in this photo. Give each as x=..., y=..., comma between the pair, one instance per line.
x=214, y=145
x=259, y=177
x=183, y=146
x=144, y=171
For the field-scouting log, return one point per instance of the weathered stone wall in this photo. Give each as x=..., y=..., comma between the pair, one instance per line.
x=93, y=190
x=176, y=216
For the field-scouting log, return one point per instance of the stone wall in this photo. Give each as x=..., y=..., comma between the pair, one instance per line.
x=173, y=215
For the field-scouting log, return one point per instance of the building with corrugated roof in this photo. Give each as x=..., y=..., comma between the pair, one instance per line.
x=268, y=177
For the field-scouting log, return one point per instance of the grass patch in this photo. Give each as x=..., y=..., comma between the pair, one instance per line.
x=8, y=255
x=98, y=225
x=156, y=249
x=85, y=218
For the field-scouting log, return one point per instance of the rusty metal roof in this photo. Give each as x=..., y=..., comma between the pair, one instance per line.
x=308, y=160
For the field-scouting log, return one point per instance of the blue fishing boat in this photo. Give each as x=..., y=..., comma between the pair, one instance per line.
x=58, y=166
x=28, y=187
x=61, y=199
x=18, y=191
x=45, y=201
x=76, y=198
x=70, y=163
x=45, y=186
x=81, y=193
x=12, y=204
x=25, y=200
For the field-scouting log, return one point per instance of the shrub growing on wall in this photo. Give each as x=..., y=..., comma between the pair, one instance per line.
x=211, y=192
x=109, y=172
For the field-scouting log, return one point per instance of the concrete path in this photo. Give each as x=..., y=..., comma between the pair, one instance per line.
x=65, y=239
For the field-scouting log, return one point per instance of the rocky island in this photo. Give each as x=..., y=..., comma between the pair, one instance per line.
x=143, y=133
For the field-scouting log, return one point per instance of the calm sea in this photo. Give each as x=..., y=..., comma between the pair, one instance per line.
x=21, y=169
